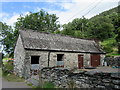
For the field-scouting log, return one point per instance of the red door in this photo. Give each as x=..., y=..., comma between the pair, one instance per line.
x=95, y=60
x=80, y=61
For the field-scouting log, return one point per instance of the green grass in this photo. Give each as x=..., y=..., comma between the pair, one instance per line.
x=115, y=54
x=5, y=58
x=45, y=85
x=112, y=54
x=12, y=78
x=48, y=85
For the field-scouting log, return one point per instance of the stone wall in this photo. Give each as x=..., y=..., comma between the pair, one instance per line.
x=19, y=56
x=64, y=78
x=113, y=61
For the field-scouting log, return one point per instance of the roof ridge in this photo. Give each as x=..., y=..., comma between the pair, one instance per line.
x=57, y=34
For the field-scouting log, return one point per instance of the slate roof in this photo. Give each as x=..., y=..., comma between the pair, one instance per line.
x=44, y=41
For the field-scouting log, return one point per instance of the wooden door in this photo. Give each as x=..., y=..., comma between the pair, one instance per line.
x=95, y=60
x=80, y=61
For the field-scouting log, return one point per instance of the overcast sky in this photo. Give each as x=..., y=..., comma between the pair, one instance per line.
x=66, y=10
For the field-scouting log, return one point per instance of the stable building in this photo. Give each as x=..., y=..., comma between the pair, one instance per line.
x=35, y=50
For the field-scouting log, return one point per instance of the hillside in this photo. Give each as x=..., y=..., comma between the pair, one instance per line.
x=103, y=27
x=110, y=45
x=108, y=12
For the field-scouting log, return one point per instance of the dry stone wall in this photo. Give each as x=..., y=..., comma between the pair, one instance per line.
x=113, y=61
x=64, y=78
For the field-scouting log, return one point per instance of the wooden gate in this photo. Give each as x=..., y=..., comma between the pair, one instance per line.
x=95, y=60
x=80, y=61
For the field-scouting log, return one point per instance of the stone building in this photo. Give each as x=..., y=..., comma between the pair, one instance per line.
x=35, y=50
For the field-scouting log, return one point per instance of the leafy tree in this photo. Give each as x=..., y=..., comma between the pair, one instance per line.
x=118, y=40
x=40, y=21
x=100, y=28
x=7, y=38
x=76, y=28
x=68, y=29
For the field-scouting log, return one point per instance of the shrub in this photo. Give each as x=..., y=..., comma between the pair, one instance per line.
x=8, y=67
x=108, y=49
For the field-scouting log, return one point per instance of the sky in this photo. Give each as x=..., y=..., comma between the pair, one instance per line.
x=66, y=10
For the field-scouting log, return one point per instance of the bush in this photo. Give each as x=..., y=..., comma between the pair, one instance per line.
x=119, y=47
x=8, y=67
x=108, y=49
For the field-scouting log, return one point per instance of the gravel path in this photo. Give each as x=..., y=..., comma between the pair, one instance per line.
x=7, y=84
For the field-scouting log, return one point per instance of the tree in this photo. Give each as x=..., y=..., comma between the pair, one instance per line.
x=118, y=40
x=100, y=28
x=7, y=38
x=40, y=21
x=76, y=28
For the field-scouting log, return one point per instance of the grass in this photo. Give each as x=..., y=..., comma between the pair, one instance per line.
x=45, y=85
x=48, y=85
x=5, y=58
x=12, y=78
x=112, y=54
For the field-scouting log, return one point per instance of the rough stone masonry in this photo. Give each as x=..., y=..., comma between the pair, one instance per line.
x=64, y=78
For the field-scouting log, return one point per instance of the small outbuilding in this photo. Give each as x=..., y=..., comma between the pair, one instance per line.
x=35, y=50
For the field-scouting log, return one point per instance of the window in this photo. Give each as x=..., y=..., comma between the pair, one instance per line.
x=35, y=59
x=60, y=62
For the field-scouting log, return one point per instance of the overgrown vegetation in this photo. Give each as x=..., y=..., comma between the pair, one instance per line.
x=8, y=72
x=8, y=67
x=109, y=45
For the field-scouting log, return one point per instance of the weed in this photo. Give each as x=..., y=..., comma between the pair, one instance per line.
x=48, y=85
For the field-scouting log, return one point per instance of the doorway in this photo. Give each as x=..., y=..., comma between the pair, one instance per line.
x=80, y=61
x=95, y=60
